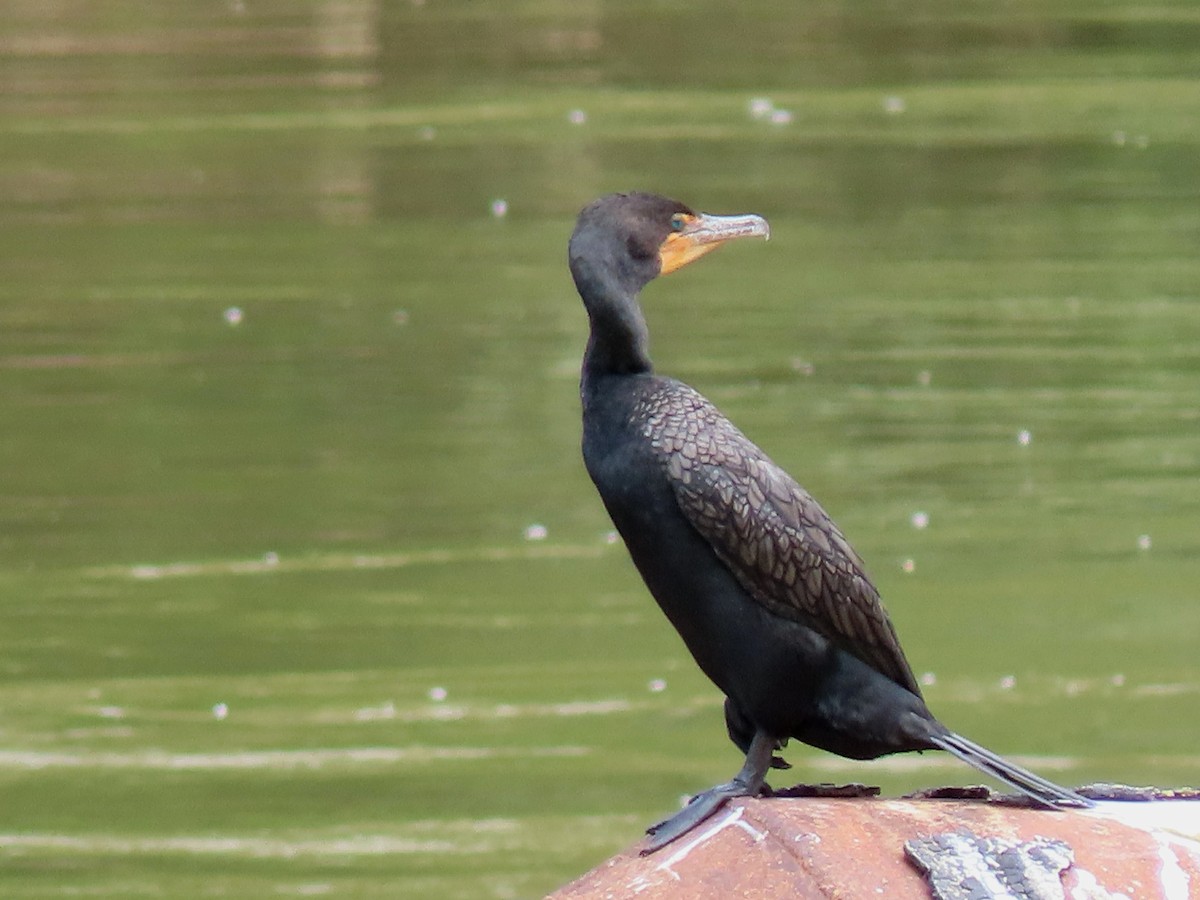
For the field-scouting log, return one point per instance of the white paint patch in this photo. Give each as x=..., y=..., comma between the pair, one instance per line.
x=1175, y=880
x=1179, y=818
x=1175, y=827
x=731, y=820
x=1088, y=887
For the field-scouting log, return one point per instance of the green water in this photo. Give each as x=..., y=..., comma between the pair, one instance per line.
x=273, y=620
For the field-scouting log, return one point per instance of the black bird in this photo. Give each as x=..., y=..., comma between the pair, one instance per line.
x=773, y=603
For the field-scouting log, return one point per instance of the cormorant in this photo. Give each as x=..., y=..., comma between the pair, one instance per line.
x=771, y=600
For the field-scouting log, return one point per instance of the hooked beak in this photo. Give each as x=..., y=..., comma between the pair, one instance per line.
x=703, y=233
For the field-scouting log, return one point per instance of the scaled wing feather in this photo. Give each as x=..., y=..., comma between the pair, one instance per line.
x=776, y=539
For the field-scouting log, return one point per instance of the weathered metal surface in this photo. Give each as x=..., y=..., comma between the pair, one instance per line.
x=855, y=848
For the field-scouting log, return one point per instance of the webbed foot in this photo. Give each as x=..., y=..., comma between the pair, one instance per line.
x=749, y=782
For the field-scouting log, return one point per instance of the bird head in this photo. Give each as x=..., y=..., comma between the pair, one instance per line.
x=637, y=237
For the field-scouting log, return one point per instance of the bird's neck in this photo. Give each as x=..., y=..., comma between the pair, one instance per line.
x=619, y=342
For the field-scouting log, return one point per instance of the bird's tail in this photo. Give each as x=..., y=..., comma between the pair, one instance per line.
x=1044, y=792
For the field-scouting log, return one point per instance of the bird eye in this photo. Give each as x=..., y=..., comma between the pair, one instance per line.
x=678, y=221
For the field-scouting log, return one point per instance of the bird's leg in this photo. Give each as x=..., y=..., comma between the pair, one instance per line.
x=746, y=783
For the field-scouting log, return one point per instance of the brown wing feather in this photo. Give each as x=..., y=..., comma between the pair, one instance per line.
x=777, y=540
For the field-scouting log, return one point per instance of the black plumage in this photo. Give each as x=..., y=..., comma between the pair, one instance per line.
x=769, y=597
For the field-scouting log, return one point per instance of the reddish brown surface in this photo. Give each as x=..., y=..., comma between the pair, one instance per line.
x=819, y=848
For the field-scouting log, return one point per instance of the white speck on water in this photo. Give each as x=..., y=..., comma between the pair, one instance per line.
x=220, y=711
x=1008, y=682
x=920, y=520
x=924, y=377
x=611, y=537
x=400, y=317
x=111, y=712
x=437, y=694
x=233, y=315
x=760, y=107
x=536, y=532
x=908, y=566
x=427, y=133
x=1143, y=542
x=1117, y=680
x=657, y=685
x=1119, y=138
x=499, y=208
x=928, y=679
x=270, y=558
x=893, y=105
x=1024, y=437
x=781, y=117
x=577, y=117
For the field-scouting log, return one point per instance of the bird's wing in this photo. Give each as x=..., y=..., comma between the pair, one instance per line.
x=776, y=539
